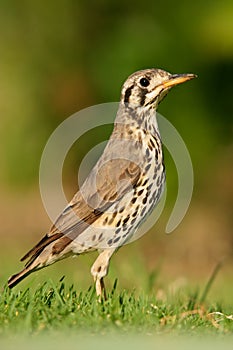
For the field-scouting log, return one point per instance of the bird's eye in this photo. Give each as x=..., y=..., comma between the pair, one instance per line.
x=144, y=82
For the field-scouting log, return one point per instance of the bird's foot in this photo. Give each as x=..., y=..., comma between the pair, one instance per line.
x=100, y=289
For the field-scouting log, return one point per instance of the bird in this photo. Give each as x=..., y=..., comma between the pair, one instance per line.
x=121, y=190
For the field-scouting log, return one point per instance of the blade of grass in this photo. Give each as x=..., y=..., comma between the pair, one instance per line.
x=211, y=280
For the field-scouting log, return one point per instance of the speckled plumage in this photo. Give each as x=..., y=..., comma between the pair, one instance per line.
x=121, y=190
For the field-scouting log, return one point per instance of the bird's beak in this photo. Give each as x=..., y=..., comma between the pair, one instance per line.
x=176, y=79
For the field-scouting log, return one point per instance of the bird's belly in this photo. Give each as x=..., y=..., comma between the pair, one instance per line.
x=146, y=200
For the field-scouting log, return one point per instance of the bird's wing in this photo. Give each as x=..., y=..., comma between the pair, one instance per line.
x=105, y=185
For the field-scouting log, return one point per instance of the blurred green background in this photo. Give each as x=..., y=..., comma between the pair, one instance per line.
x=60, y=56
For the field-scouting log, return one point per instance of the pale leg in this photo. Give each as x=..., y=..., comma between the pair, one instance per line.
x=100, y=269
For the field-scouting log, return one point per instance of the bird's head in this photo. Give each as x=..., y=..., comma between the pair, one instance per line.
x=146, y=88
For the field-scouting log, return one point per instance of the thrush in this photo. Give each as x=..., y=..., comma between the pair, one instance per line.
x=121, y=190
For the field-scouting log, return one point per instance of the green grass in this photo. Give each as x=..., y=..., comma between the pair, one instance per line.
x=53, y=308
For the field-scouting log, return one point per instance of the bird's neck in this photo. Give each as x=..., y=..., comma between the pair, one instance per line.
x=137, y=117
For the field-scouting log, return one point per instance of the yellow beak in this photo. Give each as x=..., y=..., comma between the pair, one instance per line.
x=177, y=79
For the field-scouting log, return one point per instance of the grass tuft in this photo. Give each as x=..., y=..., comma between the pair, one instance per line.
x=59, y=307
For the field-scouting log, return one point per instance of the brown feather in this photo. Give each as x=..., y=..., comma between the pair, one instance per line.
x=41, y=244
x=83, y=212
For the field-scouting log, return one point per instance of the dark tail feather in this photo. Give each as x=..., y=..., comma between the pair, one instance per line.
x=32, y=255
x=46, y=240
x=15, y=279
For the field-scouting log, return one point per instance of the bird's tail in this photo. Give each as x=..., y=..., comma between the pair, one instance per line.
x=15, y=279
x=33, y=264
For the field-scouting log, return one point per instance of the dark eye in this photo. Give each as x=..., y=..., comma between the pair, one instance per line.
x=144, y=82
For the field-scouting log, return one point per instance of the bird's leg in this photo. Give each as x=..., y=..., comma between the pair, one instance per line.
x=100, y=269
x=100, y=288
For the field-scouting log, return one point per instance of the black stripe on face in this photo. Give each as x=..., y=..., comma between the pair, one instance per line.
x=143, y=96
x=128, y=93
